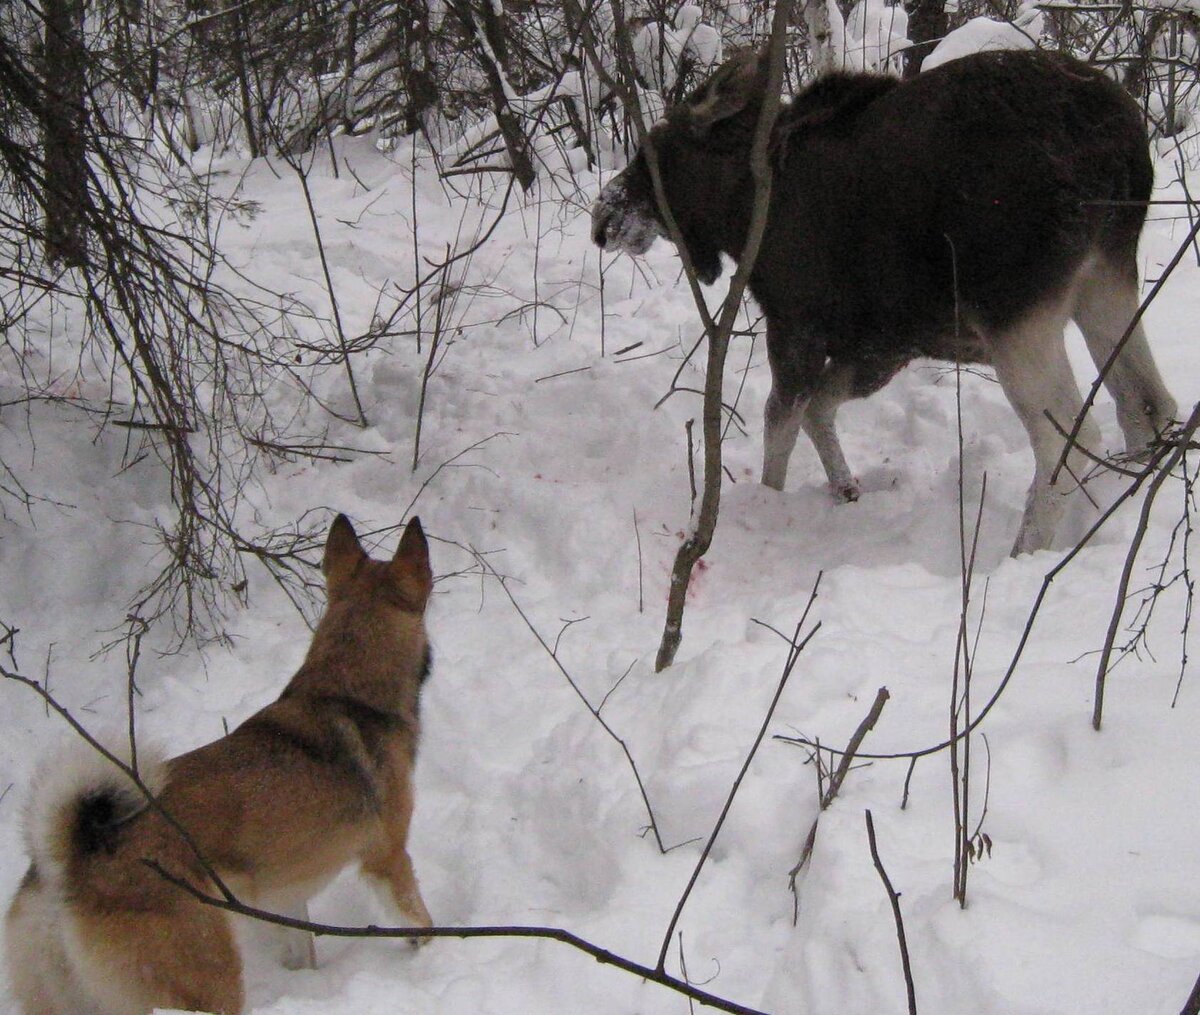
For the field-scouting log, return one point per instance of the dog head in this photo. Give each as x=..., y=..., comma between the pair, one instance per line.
x=374, y=622
x=403, y=582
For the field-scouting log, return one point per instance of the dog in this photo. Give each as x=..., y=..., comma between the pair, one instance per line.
x=320, y=778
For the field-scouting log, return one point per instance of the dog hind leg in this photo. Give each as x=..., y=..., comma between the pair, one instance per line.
x=40, y=974
x=297, y=948
x=138, y=961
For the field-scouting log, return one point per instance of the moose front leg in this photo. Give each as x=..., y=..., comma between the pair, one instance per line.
x=782, y=419
x=797, y=361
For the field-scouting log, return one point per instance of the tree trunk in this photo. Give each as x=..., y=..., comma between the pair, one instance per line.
x=419, y=86
x=66, y=173
x=697, y=544
x=927, y=25
x=238, y=35
x=490, y=51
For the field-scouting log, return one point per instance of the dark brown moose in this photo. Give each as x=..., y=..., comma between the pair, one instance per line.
x=964, y=215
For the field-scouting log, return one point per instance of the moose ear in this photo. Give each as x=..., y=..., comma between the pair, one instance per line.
x=410, y=568
x=343, y=551
x=737, y=84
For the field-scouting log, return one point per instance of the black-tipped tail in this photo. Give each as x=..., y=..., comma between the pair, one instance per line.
x=79, y=804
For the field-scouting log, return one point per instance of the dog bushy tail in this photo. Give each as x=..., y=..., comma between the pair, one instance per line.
x=79, y=802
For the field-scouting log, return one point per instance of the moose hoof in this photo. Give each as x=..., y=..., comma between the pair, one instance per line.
x=846, y=492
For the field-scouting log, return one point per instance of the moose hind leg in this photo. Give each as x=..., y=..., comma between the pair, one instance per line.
x=839, y=382
x=818, y=421
x=1032, y=367
x=1106, y=302
x=797, y=361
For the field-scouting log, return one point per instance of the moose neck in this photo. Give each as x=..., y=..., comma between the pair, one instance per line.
x=718, y=193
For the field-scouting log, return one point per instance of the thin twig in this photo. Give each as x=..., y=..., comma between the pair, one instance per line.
x=797, y=646
x=503, y=582
x=1160, y=452
x=912, y=767
x=133, y=651
x=1164, y=470
x=691, y=460
x=637, y=535
x=335, y=309
x=894, y=899
x=831, y=792
x=1105, y=463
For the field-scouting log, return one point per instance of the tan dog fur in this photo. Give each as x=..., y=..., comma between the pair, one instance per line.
x=318, y=779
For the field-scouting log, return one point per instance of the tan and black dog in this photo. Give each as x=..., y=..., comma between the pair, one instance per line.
x=315, y=781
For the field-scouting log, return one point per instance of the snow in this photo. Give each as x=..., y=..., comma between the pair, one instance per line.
x=658, y=50
x=876, y=33
x=980, y=34
x=527, y=812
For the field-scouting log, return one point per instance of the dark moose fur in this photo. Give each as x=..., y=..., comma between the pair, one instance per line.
x=964, y=214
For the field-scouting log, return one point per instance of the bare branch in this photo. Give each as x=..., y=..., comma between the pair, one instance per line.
x=1163, y=472
x=831, y=792
x=486, y=565
x=796, y=647
x=894, y=899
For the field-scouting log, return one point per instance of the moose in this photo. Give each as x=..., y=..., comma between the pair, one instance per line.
x=965, y=214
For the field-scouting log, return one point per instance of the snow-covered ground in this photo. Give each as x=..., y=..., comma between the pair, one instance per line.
x=577, y=491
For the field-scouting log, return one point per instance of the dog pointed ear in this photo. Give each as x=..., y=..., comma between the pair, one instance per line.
x=343, y=552
x=410, y=567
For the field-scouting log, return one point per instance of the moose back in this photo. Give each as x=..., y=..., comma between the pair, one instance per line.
x=965, y=215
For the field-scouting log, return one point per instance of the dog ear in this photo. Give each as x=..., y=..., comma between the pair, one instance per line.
x=343, y=552
x=410, y=567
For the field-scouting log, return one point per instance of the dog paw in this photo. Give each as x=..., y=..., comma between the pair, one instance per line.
x=422, y=919
x=296, y=949
x=416, y=943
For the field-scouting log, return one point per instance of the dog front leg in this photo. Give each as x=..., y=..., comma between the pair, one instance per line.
x=390, y=873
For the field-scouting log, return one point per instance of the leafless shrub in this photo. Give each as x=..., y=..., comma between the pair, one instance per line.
x=149, y=303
